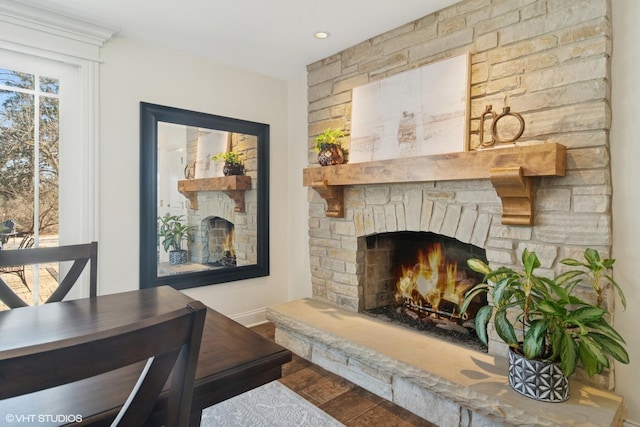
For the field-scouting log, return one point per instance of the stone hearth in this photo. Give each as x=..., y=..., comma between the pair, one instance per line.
x=441, y=382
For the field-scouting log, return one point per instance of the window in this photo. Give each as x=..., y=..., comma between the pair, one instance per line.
x=29, y=145
x=38, y=110
x=45, y=44
x=41, y=174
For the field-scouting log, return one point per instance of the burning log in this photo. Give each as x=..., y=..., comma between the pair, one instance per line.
x=429, y=322
x=412, y=314
x=450, y=326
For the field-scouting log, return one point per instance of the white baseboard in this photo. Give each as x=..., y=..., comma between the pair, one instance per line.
x=631, y=423
x=251, y=318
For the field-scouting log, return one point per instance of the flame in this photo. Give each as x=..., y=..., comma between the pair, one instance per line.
x=432, y=280
x=227, y=246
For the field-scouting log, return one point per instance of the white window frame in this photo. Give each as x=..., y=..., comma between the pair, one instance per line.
x=42, y=34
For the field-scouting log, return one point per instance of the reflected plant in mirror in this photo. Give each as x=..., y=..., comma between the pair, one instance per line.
x=185, y=173
x=172, y=234
x=233, y=164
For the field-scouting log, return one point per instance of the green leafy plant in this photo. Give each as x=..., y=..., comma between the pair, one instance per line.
x=555, y=325
x=599, y=276
x=173, y=232
x=229, y=157
x=328, y=138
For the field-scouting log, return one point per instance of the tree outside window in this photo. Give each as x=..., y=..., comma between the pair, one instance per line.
x=27, y=140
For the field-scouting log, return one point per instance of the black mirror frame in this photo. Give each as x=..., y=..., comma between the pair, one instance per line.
x=150, y=115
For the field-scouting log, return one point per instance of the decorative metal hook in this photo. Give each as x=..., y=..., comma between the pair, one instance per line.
x=506, y=111
x=190, y=171
x=488, y=111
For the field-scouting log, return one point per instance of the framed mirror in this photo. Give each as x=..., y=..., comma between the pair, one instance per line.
x=203, y=220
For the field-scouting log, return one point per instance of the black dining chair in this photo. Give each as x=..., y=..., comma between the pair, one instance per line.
x=8, y=229
x=151, y=348
x=80, y=255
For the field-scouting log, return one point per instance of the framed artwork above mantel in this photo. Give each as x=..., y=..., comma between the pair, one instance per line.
x=418, y=112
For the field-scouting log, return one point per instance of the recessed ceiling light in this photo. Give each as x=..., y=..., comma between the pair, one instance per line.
x=321, y=35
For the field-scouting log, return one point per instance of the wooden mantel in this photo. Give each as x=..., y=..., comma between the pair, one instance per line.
x=234, y=186
x=510, y=169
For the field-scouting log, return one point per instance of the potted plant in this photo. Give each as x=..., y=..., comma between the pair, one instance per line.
x=173, y=233
x=548, y=329
x=329, y=147
x=232, y=162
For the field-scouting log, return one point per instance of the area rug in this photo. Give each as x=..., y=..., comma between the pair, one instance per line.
x=271, y=405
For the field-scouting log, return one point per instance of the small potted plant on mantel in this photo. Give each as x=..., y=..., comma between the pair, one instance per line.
x=329, y=147
x=548, y=329
x=232, y=163
x=173, y=233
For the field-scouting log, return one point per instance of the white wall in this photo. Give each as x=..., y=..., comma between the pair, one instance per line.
x=299, y=268
x=131, y=73
x=625, y=155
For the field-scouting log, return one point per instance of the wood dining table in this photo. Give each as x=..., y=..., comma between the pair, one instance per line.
x=232, y=359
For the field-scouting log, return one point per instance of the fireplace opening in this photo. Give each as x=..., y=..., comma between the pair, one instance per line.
x=419, y=279
x=221, y=249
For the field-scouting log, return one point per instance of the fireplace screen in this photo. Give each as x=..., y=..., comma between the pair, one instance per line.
x=419, y=279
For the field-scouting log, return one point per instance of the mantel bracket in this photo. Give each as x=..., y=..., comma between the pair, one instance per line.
x=516, y=192
x=192, y=196
x=238, y=197
x=333, y=195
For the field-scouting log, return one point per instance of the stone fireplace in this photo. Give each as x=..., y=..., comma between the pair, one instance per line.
x=467, y=211
x=547, y=60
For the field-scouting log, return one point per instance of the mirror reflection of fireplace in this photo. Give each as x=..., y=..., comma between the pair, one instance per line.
x=221, y=250
x=215, y=246
x=419, y=279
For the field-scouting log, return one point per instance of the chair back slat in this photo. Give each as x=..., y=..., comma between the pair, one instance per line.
x=69, y=280
x=172, y=340
x=9, y=297
x=80, y=255
x=45, y=255
x=182, y=391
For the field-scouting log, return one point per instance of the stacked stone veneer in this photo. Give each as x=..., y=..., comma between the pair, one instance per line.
x=216, y=204
x=546, y=59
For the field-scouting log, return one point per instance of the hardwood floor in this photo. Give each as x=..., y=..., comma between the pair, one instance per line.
x=346, y=402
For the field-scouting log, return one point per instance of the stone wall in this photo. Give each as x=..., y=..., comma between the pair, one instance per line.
x=546, y=59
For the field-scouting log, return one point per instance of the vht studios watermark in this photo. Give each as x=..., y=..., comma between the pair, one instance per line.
x=43, y=418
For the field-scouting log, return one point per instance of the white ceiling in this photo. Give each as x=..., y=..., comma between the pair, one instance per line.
x=273, y=37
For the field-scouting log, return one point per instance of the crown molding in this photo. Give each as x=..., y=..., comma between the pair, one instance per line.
x=21, y=19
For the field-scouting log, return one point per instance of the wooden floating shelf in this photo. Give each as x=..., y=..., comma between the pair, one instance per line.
x=510, y=170
x=234, y=186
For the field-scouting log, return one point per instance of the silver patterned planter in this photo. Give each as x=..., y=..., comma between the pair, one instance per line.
x=538, y=380
x=177, y=257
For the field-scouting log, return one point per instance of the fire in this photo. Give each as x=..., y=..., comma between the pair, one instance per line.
x=228, y=244
x=432, y=281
